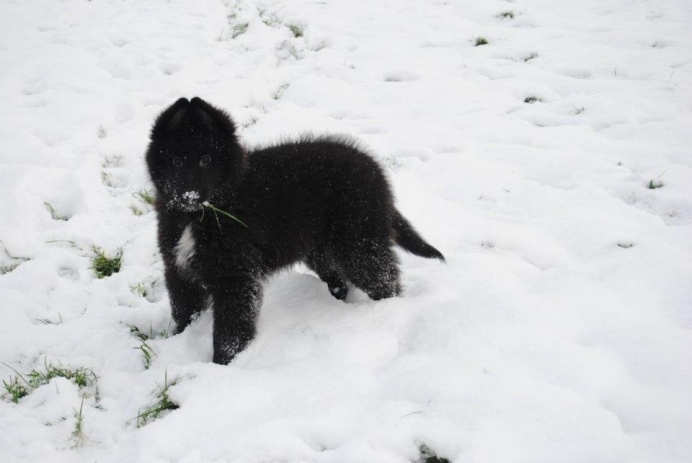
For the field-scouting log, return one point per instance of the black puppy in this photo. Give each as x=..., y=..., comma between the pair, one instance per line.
x=229, y=216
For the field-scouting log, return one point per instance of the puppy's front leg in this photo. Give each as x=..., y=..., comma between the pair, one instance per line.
x=236, y=305
x=187, y=298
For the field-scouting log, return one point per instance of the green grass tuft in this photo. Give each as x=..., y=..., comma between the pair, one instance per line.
x=145, y=196
x=54, y=215
x=7, y=268
x=142, y=336
x=507, y=14
x=78, y=432
x=280, y=92
x=162, y=404
x=655, y=183
x=103, y=265
x=239, y=29
x=82, y=377
x=269, y=19
x=140, y=289
x=147, y=354
x=296, y=30
x=480, y=41
x=15, y=389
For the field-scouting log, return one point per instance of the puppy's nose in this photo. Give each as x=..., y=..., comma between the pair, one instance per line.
x=191, y=197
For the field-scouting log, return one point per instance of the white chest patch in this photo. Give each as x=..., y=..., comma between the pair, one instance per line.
x=185, y=249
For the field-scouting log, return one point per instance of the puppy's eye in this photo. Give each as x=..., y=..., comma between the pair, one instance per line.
x=177, y=162
x=205, y=161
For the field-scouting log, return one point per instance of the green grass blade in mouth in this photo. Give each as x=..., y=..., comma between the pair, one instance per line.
x=216, y=209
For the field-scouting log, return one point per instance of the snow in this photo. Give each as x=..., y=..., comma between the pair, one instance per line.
x=558, y=331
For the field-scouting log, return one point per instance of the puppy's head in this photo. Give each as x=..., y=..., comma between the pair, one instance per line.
x=193, y=152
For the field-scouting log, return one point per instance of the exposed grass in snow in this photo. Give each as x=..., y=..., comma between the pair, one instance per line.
x=7, y=268
x=148, y=352
x=479, y=41
x=655, y=183
x=53, y=214
x=16, y=387
x=239, y=29
x=296, y=29
x=20, y=385
x=161, y=405
x=145, y=196
x=78, y=437
x=104, y=266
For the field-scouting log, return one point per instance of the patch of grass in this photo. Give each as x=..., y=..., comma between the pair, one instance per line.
x=54, y=215
x=239, y=29
x=78, y=432
x=143, y=336
x=139, y=289
x=507, y=14
x=269, y=19
x=47, y=321
x=135, y=210
x=162, y=404
x=7, y=268
x=147, y=354
x=145, y=196
x=655, y=183
x=112, y=160
x=578, y=109
x=531, y=56
x=532, y=99
x=296, y=30
x=103, y=265
x=16, y=261
x=280, y=91
x=480, y=41
x=82, y=377
x=16, y=389
x=428, y=456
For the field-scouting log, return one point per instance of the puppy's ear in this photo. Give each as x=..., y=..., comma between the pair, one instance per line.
x=171, y=119
x=211, y=118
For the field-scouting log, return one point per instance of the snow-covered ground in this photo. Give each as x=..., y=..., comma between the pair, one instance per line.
x=552, y=166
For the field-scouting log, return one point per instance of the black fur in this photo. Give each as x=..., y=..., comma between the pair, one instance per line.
x=322, y=201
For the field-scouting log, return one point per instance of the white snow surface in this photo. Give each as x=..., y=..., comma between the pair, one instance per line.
x=559, y=330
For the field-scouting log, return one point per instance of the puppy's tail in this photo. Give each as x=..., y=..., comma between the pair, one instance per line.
x=408, y=238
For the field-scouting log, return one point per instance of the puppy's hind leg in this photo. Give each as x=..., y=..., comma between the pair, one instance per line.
x=320, y=264
x=372, y=266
